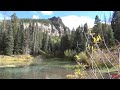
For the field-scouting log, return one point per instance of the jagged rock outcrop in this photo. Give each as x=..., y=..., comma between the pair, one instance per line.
x=57, y=22
x=54, y=26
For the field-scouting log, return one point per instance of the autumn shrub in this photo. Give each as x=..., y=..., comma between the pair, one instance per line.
x=81, y=57
x=70, y=54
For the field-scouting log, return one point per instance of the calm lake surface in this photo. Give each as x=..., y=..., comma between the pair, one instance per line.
x=44, y=69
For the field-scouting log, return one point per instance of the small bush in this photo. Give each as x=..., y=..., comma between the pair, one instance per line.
x=82, y=57
x=70, y=54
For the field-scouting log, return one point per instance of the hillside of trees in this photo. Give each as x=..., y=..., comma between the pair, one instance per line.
x=15, y=40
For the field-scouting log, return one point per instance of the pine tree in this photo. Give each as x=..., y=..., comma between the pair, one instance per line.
x=108, y=35
x=8, y=41
x=49, y=45
x=97, y=27
x=1, y=38
x=115, y=23
x=14, y=21
x=85, y=28
x=26, y=41
x=15, y=27
x=79, y=43
x=72, y=36
x=111, y=40
x=65, y=43
x=17, y=41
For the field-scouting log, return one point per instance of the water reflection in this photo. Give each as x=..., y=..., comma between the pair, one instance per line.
x=35, y=72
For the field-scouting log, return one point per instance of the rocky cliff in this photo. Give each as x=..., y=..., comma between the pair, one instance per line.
x=54, y=26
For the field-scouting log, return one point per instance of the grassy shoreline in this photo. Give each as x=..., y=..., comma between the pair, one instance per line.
x=15, y=60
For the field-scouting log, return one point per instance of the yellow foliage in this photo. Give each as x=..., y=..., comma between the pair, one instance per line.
x=78, y=74
x=94, y=40
x=77, y=57
x=97, y=39
x=88, y=46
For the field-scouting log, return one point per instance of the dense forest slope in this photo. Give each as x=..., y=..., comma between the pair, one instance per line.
x=51, y=36
x=28, y=36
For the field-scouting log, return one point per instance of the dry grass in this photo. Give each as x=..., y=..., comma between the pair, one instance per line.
x=15, y=60
x=104, y=58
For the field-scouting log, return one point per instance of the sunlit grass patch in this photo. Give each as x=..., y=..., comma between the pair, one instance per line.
x=16, y=60
x=70, y=66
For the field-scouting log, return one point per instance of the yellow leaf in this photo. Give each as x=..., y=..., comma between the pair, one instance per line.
x=88, y=46
x=99, y=37
x=92, y=48
x=94, y=39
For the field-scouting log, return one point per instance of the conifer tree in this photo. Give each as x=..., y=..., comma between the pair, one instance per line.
x=115, y=23
x=8, y=41
x=97, y=26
